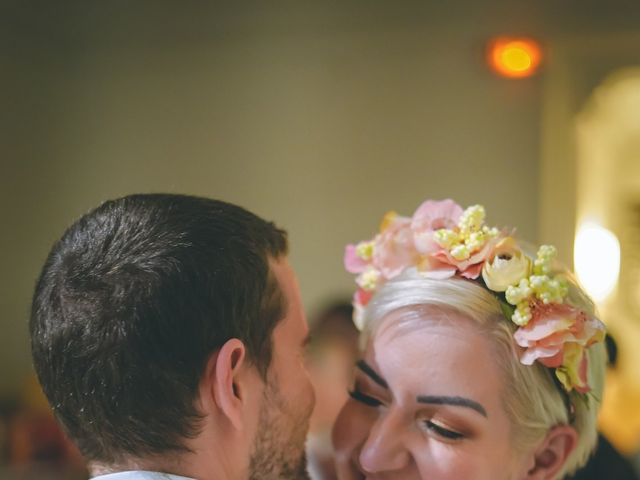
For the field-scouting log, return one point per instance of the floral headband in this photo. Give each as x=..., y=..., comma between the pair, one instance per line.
x=442, y=240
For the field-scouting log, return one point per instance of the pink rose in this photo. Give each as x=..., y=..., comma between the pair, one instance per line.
x=353, y=263
x=432, y=216
x=394, y=249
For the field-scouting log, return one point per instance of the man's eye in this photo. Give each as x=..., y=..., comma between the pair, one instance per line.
x=443, y=432
x=358, y=396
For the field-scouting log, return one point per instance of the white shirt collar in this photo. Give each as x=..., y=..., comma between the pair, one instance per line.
x=140, y=475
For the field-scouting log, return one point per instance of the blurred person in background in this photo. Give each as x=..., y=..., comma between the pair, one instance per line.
x=7, y=410
x=37, y=448
x=620, y=415
x=332, y=353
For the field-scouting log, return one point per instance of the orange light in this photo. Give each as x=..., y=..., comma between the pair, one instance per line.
x=514, y=57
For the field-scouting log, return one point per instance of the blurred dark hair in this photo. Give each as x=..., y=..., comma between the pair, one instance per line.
x=130, y=304
x=612, y=351
x=334, y=322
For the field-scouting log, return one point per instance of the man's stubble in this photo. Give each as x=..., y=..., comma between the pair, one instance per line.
x=278, y=451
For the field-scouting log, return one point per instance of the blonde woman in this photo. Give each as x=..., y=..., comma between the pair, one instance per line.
x=479, y=362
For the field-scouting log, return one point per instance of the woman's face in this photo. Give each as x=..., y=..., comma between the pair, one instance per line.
x=426, y=404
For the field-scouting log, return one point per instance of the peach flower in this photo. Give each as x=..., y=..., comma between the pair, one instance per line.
x=556, y=336
x=573, y=373
x=431, y=216
x=394, y=248
x=469, y=268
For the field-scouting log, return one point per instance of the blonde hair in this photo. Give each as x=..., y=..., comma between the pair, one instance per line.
x=532, y=400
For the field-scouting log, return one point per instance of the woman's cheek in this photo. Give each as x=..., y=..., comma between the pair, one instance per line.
x=447, y=462
x=350, y=432
x=351, y=428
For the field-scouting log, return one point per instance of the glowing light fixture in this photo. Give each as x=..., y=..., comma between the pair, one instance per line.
x=514, y=57
x=596, y=258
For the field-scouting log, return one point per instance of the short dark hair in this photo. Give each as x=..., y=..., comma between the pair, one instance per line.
x=131, y=303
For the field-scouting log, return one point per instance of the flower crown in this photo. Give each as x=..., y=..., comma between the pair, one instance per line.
x=442, y=240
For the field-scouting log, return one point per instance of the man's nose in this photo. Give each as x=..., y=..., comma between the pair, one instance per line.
x=384, y=449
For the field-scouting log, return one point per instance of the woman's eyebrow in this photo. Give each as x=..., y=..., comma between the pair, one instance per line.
x=455, y=401
x=371, y=373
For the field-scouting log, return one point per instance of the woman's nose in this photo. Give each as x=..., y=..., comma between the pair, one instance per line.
x=384, y=449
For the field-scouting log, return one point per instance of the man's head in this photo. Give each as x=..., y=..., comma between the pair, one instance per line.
x=159, y=323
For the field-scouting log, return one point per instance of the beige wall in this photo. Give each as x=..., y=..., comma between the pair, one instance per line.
x=320, y=117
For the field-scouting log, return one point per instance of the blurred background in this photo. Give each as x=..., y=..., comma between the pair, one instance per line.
x=321, y=116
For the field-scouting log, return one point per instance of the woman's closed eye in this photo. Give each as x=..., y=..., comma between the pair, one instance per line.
x=441, y=431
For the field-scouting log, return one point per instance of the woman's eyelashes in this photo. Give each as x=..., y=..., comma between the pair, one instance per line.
x=368, y=400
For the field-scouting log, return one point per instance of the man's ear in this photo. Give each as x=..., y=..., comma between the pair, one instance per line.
x=222, y=381
x=552, y=453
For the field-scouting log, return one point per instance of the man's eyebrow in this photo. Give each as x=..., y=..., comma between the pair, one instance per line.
x=371, y=373
x=455, y=401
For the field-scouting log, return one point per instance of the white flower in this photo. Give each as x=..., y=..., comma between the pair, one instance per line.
x=507, y=266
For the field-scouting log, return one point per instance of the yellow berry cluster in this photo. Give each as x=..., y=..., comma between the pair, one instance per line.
x=540, y=285
x=469, y=236
x=364, y=250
